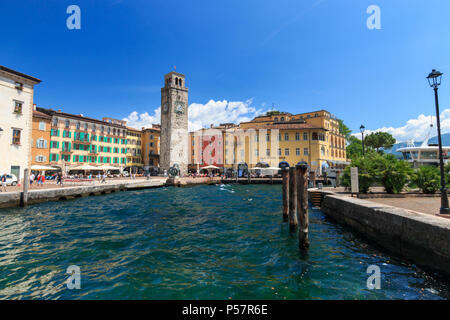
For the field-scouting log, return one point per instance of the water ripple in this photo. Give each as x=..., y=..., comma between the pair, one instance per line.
x=207, y=242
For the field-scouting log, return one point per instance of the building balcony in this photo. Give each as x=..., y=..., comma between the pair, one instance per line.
x=83, y=141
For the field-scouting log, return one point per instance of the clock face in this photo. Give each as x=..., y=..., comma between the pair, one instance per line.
x=165, y=107
x=179, y=107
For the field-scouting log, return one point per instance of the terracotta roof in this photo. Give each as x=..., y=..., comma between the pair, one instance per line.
x=41, y=115
x=134, y=129
x=17, y=73
x=78, y=117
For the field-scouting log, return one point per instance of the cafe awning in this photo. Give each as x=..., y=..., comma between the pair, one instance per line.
x=42, y=167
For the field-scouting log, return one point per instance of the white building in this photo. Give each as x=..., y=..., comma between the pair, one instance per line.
x=16, y=114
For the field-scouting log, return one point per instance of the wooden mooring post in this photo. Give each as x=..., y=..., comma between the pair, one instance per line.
x=292, y=198
x=285, y=174
x=302, y=204
x=24, y=195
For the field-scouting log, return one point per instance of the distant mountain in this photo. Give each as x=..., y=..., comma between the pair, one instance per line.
x=433, y=140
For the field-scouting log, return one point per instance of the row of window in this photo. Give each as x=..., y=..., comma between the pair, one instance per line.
x=315, y=136
x=85, y=126
x=54, y=157
x=67, y=147
x=84, y=137
x=287, y=151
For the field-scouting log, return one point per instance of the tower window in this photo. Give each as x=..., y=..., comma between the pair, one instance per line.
x=180, y=82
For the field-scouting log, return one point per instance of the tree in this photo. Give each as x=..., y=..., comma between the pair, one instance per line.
x=272, y=113
x=366, y=173
x=385, y=169
x=379, y=140
x=427, y=179
x=392, y=173
x=354, y=149
x=343, y=129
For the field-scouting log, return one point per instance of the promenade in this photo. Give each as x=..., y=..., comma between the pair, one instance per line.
x=413, y=201
x=52, y=192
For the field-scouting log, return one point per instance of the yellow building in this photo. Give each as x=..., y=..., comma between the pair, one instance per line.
x=312, y=137
x=77, y=140
x=134, y=150
x=151, y=147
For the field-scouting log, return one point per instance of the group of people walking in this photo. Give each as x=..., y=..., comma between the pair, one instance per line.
x=39, y=178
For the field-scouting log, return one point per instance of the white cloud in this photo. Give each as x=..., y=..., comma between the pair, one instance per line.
x=202, y=115
x=416, y=129
x=137, y=121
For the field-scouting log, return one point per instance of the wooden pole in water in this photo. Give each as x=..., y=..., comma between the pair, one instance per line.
x=292, y=198
x=302, y=204
x=285, y=174
x=26, y=183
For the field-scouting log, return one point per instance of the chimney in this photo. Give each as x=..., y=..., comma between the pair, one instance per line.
x=59, y=110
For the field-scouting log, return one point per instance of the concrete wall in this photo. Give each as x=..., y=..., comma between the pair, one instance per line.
x=421, y=238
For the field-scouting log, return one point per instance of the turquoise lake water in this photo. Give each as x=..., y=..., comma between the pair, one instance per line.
x=205, y=242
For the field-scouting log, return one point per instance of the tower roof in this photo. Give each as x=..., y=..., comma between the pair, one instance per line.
x=176, y=73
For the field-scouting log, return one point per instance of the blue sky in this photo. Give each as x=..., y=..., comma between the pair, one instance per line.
x=298, y=55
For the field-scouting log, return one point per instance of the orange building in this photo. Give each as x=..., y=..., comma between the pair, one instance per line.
x=151, y=146
x=40, y=138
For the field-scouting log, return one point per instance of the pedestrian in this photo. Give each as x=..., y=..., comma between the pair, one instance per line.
x=104, y=177
x=32, y=179
x=59, y=178
x=40, y=179
x=3, y=182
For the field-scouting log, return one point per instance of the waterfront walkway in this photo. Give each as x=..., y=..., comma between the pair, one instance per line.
x=413, y=201
x=53, y=192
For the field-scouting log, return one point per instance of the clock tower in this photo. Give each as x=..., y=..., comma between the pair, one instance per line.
x=174, y=123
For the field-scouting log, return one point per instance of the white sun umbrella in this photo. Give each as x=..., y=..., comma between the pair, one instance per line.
x=107, y=167
x=86, y=167
x=42, y=167
x=210, y=167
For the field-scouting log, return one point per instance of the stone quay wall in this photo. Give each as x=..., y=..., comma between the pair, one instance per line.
x=13, y=199
x=423, y=239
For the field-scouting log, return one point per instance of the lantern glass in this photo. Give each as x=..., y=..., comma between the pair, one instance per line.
x=434, y=78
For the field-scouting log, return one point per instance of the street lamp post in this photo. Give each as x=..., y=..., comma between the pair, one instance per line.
x=434, y=79
x=362, y=128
